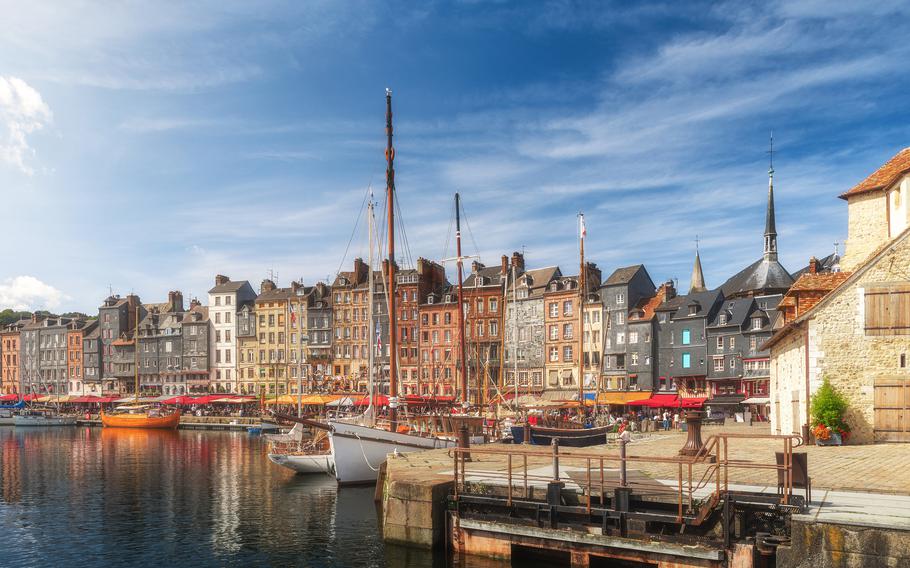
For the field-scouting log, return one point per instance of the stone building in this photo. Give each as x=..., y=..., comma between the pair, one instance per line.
x=196, y=329
x=91, y=360
x=349, y=321
x=438, y=344
x=272, y=375
x=627, y=354
x=43, y=367
x=482, y=302
x=10, y=357
x=525, y=335
x=319, y=334
x=117, y=320
x=224, y=298
x=75, y=356
x=642, y=354
x=682, y=341
x=298, y=368
x=562, y=302
x=858, y=334
x=247, y=348
x=413, y=285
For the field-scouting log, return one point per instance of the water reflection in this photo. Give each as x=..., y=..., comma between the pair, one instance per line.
x=114, y=497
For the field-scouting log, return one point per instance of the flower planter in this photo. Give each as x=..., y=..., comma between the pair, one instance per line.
x=834, y=440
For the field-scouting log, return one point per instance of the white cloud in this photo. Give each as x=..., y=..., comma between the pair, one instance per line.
x=29, y=293
x=22, y=112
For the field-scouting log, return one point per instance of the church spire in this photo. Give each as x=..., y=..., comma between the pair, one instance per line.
x=697, y=283
x=770, y=229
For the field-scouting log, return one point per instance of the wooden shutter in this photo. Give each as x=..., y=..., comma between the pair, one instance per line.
x=888, y=310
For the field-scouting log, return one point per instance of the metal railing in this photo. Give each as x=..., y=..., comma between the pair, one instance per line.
x=516, y=474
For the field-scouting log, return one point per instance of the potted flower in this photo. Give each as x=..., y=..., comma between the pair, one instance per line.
x=828, y=409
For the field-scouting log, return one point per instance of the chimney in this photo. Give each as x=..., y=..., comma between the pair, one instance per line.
x=295, y=286
x=221, y=279
x=475, y=267
x=175, y=301
x=669, y=290
x=518, y=261
x=505, y=265
x=360, y=271
x=132, y=303
x=266, y=286
x=813, y=265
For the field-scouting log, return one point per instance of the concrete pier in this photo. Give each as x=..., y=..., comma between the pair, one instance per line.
x=431, y=500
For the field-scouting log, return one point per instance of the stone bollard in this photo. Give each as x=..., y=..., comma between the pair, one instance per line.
x=693, y=428
x=464, y=441
x=622, y=463
x=527, y=436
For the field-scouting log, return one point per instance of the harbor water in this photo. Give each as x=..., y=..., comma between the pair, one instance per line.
x=117, y=497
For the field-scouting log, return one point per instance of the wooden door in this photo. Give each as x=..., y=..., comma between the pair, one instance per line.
x=892, y=410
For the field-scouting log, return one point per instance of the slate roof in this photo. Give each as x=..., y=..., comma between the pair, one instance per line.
x=883, y=177
x=538, y=280
x=671, y=305
x=491, y=274
x=763, y=274
x=622, y=275
x=824, y=264
x=276, y=294
x=705, y=301
x=737, y=311
x=229, y=286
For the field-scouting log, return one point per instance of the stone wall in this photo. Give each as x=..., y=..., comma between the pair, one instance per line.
x=820, y=545
x=788, y=384
x=840, y=351
x=867, y=228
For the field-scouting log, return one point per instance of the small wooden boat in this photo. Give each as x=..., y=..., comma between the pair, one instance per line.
x=140, y=417
x=312, y=457
x=570, y=437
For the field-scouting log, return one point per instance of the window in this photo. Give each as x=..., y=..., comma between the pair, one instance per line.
x=554, y=332
x=633, y=359
x=732, y=363
x=756, y=323
x=494, y=305
x=732, y=342
x=620, y=338
x=554, y=353
x=722, y=319
x=720, y=343
x=567, y=308
x=494, y=328
x=886, y=310
x=554, y=309
x=718, y=364
x=620, y=299
x=686, y=360
x=620, y=318
x=633, y=337
x=567, y=331
x=567, y=353
x=686, y=336
x=753, y=343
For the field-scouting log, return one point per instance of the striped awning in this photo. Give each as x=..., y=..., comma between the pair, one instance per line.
x=619, y=397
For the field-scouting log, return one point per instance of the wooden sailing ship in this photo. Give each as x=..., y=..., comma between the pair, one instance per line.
x=138, y=415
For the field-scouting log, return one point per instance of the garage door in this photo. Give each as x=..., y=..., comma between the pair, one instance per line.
x=892, y=410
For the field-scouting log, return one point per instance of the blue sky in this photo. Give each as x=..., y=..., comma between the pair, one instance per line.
x=149, y=146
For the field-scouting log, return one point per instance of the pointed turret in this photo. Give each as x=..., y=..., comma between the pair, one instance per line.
x=770, y=229
x=697, y=284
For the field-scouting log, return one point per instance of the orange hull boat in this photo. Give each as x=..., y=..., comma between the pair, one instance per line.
x=143, y=420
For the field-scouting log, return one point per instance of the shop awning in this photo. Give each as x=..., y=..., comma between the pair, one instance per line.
x=727, y=400
x=693, y=402
x=758, y=400
x=9, y=397
x=561, y=394
x=618, y=397
x=662, y=400
x=180, y=400
x=378, y=400
x=344, y=401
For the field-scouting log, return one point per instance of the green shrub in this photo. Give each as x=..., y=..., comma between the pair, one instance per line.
x=828, y=408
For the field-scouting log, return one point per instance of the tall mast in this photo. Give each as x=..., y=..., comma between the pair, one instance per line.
x=136, y=353
x=371, y=325
x=461, y=341
x=581, y=313
x=515, y=343
x=390, y=206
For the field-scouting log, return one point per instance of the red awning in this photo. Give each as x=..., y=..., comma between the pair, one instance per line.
x=9, y=397
x=85, y=399
x=180, y=400
x=662, y=400
x=31, y=397
x=695, y=402
x=378, y=400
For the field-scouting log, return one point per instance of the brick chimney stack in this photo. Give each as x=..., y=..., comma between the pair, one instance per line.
x=221, y=279
x=175, y=301
x=505, y=265
x=266, y=286
x=813, y=265
x=518, y=261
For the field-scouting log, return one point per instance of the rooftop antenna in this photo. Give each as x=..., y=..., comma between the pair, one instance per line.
x=110, y=290
x=836, y=248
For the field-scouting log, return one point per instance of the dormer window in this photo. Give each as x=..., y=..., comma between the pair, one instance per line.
x=722, y=320
x=757, y=323
x=693, y=309
x=523, y=293
x=431, y=299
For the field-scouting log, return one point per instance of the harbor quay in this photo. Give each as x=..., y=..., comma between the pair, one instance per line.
x=729, y=506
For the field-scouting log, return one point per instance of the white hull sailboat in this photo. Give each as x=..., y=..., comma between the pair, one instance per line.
x=303, y=463
x=43, y=419
x=359, y=450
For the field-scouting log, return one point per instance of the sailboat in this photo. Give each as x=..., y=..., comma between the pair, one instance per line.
x=360, y=445
x=139, y=415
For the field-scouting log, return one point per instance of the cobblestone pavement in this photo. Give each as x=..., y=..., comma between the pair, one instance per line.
x=881, y=468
